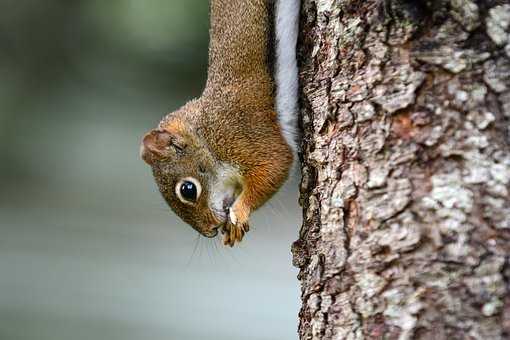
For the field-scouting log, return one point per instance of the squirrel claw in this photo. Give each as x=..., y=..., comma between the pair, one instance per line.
x=234, y=233
x=234, y=229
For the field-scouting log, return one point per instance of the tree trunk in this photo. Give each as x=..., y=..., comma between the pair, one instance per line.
x=406, y=169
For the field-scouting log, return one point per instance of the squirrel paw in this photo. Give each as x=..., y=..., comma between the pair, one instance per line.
x=236, y=226
x=233, y=233
x=239, y=213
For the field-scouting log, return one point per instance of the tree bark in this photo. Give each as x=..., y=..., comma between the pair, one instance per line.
x=406, y=169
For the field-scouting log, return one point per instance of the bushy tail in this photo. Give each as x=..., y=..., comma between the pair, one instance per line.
x=286, y=75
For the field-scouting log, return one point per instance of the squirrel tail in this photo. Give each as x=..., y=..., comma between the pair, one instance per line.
x=286, y=75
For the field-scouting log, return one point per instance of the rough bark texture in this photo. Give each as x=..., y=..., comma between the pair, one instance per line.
x=406, y=169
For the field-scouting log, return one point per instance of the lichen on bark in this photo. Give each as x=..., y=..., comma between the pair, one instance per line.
x=406, y=169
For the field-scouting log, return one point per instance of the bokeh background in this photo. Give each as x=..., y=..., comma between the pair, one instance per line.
x=88, y=249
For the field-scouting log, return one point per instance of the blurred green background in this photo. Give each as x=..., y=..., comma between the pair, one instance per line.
x=88, y=249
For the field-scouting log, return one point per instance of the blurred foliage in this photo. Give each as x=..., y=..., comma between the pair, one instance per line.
x=41, y=41
x=59, y=57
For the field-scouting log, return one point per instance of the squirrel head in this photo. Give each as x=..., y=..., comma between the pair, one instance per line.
x=197, y=187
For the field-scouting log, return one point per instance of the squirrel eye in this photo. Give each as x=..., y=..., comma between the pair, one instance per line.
x=188, y=190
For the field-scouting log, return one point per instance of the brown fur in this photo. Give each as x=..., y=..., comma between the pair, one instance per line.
x=233, y=122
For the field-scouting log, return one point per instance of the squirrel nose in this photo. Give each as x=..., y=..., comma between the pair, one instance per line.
x=211, y=232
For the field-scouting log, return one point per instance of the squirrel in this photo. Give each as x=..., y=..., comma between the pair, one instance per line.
x=223, y=155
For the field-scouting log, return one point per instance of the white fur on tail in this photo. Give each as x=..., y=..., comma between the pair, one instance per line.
x=287, y=27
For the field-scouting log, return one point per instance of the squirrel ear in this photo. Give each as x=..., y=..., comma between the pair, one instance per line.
x=156, y=146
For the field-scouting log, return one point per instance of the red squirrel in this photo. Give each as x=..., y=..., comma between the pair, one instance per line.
x=224, y=154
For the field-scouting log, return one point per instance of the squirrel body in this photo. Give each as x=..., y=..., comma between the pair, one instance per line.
x=224, y=154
